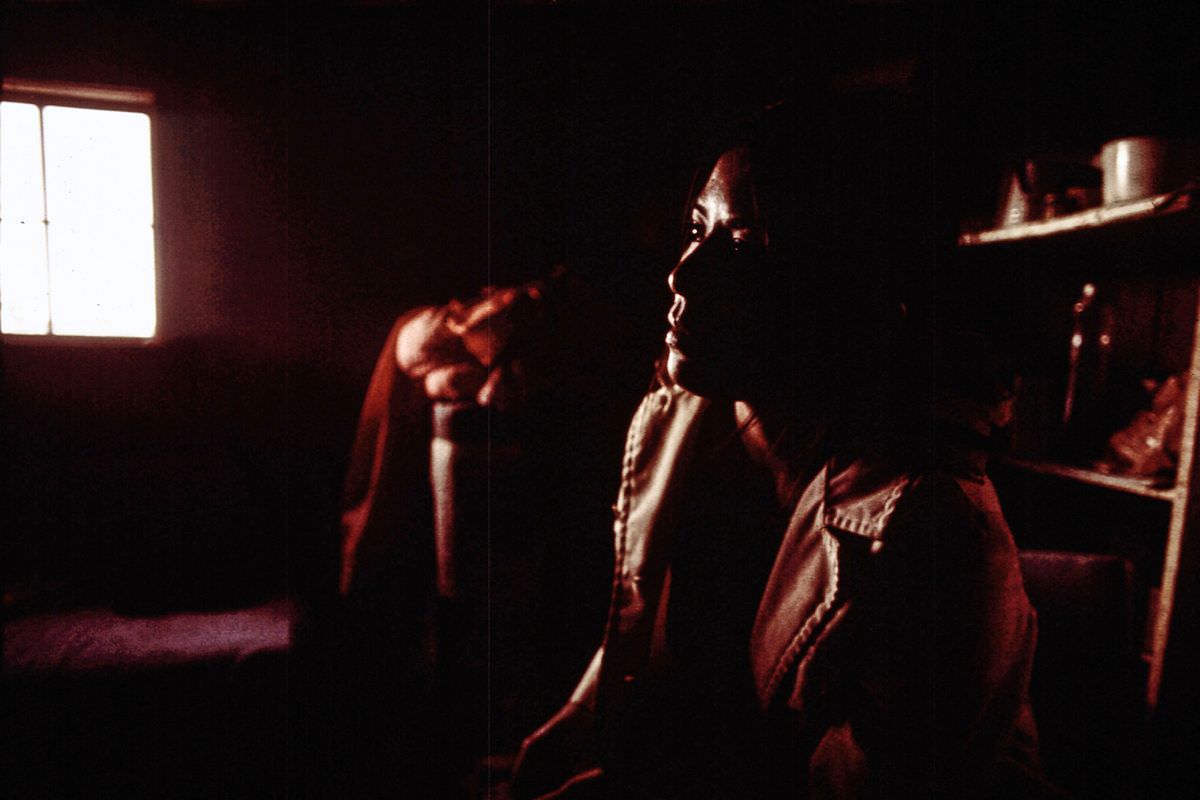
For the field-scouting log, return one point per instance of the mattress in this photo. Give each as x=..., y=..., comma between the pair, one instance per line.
x=93, y=640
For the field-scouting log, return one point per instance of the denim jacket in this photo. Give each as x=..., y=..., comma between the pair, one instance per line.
x=893, y=635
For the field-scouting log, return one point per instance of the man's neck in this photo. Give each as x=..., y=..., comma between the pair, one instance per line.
x=785, y=441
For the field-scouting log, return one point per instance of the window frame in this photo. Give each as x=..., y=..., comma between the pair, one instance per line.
x=99, y=97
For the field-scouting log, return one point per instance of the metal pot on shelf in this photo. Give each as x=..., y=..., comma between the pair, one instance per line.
x=1136, y=167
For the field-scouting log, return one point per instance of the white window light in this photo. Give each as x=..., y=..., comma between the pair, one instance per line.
x=77, y=254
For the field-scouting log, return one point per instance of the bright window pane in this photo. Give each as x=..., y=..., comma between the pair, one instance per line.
x=102, y=278
x=97, y=277
x=20, y=163
x=97, y=165
x=24, y=304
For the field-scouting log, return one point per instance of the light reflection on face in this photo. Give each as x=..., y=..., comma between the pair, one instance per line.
x=719, y=335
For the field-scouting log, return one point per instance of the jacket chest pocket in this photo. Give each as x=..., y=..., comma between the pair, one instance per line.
x=828, y=646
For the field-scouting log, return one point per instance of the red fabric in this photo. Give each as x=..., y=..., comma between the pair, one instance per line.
x=388, y=462
x=452, y=352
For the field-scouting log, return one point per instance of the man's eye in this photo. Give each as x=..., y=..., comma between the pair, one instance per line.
x=741, y=245
x=695, y=232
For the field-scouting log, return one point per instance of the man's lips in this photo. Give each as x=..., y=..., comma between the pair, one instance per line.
x=681, y=337
x=675, y=314
x=676, y=339
x=686, y=343
x=677, y=336
x=686, y=337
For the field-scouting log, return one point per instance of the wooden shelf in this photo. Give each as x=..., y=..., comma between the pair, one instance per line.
x=1093, y=218
x=1143, y=487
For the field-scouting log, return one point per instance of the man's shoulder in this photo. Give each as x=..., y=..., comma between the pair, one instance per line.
x=886, y=497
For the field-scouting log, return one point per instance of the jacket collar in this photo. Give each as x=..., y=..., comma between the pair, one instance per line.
x=860, y=494
x=856, y=496
x=853, y=494
x=858, y=491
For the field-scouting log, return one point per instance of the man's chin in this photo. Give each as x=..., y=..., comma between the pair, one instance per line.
x=727, y=376
x=694, y=375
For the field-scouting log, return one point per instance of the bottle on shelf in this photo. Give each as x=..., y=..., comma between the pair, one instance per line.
x=1085, y=410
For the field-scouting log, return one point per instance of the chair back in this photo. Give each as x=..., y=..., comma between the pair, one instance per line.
x=1088, y=679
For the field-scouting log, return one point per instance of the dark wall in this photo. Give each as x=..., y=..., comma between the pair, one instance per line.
x=1017, y=79
x=124, y=459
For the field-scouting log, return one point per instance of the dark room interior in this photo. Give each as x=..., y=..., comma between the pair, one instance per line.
x=182, y=613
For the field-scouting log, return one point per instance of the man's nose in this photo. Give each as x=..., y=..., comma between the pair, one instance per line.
x=673, y=281
x=694, y=273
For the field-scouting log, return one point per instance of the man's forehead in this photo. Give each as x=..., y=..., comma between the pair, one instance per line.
x=729, y=183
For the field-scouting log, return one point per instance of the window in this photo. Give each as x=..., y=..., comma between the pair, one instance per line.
x=76, y=211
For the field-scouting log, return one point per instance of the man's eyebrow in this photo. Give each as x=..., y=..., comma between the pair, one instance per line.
x=703, y=209
x=739, y=222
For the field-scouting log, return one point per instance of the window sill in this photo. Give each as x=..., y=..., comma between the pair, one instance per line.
x=41, y=340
